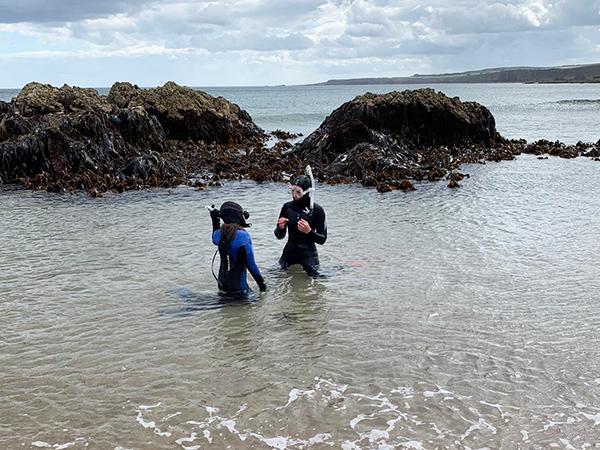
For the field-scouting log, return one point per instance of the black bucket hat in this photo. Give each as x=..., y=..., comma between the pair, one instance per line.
x=231, y=212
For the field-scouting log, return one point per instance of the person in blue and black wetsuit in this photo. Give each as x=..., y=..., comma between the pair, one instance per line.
x=235, y=249
x=306, y=227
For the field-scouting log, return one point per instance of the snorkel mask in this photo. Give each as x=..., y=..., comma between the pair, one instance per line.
x=304, y=184
x=292, y=188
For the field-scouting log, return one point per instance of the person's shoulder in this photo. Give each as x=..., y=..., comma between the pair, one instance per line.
x=242, y=234
x=319, y=208
x=286, y=206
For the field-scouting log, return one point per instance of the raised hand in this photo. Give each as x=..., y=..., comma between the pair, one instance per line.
x=282, y=222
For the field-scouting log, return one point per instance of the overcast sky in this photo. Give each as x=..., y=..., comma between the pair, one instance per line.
x=265, y=42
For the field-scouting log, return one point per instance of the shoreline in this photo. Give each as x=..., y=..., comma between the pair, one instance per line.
x=330, y=84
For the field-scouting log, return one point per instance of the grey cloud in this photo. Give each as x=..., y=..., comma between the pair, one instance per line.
x=223, y=26
x=576, y=13
x=57, y=11
x=255, y=41
x=213, y=15
x=366, y=30
x=493, y=18
x=156, y=24
x=534, y=48
x=352, y=35
x=513, y=16
x=385, y=48
x=290, y=11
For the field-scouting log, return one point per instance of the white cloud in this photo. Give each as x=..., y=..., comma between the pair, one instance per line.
x=366, y=29
x=491, y=18
x=45, y=34
x=365, y=36
x=131, y=51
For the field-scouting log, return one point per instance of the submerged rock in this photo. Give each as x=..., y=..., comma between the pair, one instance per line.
x=285, y=135
x=457, y=176
x=406, y=185
x=557, y=148
x=384, y=187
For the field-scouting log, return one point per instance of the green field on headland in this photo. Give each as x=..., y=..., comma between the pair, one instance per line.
x=588, y=73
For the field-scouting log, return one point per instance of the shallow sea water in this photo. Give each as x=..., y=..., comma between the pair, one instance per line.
x=460, y=318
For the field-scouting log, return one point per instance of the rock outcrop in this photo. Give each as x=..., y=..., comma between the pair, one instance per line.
x=187, y=114
x=400, y=121
x=69, y=138
x=380, y=140
x=72, y=138
x=390, y=137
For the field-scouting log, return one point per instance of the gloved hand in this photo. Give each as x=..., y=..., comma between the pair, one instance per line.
x=214, y=215
x=214, y=212
x=261, y=284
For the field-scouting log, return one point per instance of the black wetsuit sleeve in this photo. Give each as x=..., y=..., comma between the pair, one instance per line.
x=279, y=233
x=319, y=231
x=216, y=222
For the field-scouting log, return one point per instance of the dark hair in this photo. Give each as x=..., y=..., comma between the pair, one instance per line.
x=228, y=230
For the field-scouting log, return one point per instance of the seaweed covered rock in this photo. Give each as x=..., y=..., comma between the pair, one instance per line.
x=139, y=128
x=390, y=137
x=14, y=125
x=72, y=138
x=187, y=114
x=37, y=98
x=400, y=121
x=69, y=138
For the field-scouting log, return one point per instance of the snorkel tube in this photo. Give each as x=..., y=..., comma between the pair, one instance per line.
x=311, y=190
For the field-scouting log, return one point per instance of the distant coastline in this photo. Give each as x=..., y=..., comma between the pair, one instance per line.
x=587, y=73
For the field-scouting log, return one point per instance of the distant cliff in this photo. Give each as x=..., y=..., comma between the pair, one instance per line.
x=589, y=73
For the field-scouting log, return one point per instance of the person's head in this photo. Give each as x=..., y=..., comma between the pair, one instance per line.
x=301, y=187
x=233, y=213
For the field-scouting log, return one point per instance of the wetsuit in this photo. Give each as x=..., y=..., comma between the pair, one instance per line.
x=300, y=247
x=237, y=255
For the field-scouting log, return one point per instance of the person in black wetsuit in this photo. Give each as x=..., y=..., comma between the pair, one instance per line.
x=235, y=249
x=306, y=227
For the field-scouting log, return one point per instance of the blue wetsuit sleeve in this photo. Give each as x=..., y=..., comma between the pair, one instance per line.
x=216, y=237
x=250, y=262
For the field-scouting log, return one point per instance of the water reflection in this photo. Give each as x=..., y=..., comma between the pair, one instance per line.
x=191, y=302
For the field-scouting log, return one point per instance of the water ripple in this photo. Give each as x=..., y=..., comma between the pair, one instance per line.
x=446, y=319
